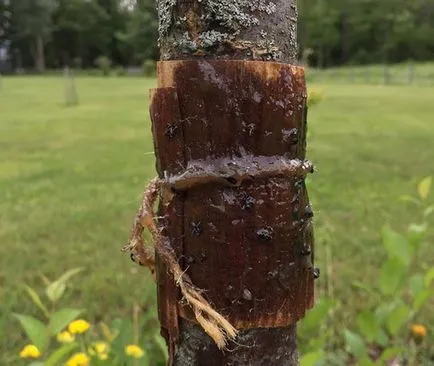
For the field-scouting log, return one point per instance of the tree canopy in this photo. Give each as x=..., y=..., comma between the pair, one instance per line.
x=54, y=33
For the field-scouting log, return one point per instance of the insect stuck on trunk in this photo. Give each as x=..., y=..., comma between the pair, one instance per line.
x=308, y=212
x=196, y=228
x=249, y=203
x=307, y=250
x=265, y=234
x=171, y=130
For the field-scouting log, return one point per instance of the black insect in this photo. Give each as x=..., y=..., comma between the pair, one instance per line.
x=312, y=169
x=247, y=295
x=272, y=274
x=293, y=136
x=265, y=234
x=171, y=130
x=316, y=273
x=308, y=212
x=307, y=250
x=299, y=184
x=196, y=228
x=249, y=203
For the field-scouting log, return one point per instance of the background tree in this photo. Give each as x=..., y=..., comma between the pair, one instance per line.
x=80, y=33
x=141, y=32
x=33, y=23
x=58, y=32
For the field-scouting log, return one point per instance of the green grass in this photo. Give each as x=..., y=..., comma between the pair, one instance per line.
x=71, y=179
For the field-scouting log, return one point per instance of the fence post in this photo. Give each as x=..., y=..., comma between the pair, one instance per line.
x=351, y=75
x=71, y=97
x=387, y=77
x=410, y=72
x=234, y=242
x=367, y=75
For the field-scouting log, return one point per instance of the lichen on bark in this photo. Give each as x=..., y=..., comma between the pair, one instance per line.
x=236, y=29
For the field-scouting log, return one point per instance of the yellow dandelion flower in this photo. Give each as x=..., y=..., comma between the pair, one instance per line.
x=134, y=351
x=65, y=337
x=99, y=349
x=30, y=351
x=79, y=359
x=419, y=331
x=78, y=326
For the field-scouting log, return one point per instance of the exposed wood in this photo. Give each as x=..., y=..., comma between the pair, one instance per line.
x=244, y=239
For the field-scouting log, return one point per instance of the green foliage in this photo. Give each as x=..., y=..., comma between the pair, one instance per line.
x=139, y=36
x=424, y=188
x=104, y=64
x=113, y=339
x=120, y=71
x=355, y=344
x=311, y=358
x=337, y=32
x=59, y=354
x=330, y=33
x=38, y=332
x=37, y=300
x=314, y=97
x=315, y=321
x=61, y=318
x=149, y=68
x=35, y=330
x=397, y=297
x=402, y=294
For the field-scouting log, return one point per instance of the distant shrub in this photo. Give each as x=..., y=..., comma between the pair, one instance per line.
x=149, y=67
x=307, y=53
x=77, y=63
x=120, y=71
x=91, y=72
x=104, y=64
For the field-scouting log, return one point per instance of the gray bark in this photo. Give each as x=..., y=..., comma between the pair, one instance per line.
x=255, y=347
x=228, y=29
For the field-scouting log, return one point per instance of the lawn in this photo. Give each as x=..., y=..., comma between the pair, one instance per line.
x=71, y=179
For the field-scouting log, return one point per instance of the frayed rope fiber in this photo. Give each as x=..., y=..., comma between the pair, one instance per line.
x=213, y=323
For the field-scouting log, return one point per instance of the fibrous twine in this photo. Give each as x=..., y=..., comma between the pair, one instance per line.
x=213, y=323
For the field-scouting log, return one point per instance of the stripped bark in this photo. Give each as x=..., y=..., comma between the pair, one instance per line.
x=230, y=139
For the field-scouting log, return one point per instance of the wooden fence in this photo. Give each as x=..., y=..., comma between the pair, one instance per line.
x=410, y=74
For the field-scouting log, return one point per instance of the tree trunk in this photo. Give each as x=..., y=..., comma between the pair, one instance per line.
x=230, y=139
x=39, y=55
